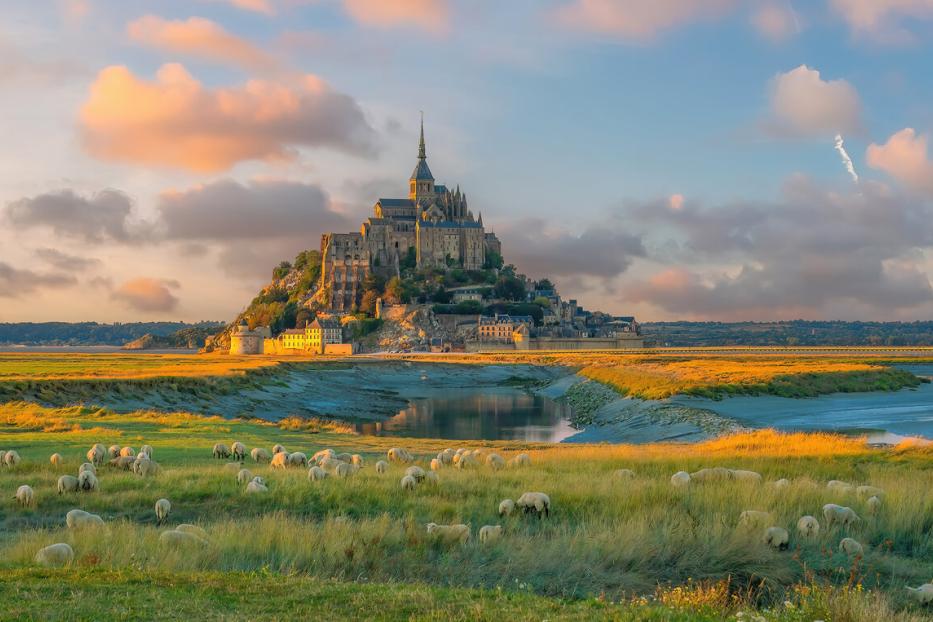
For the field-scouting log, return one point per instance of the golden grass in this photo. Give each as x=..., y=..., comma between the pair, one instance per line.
x=20, y=367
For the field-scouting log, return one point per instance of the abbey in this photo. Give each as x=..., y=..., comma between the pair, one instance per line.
x=434, y=224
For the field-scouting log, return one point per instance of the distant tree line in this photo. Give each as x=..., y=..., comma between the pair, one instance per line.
x=90, y=333
x=789, y=333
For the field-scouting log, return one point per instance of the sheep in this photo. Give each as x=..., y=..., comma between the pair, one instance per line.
x=446, y=458
x=839, y=514
x=122, y=462
x=416, y=472
x=495, y=462
x=147, y=468
x=521, y=460
x=489, y=533
x=96, y=454
x=838, y=486
x=11, y=458
x=297, y=459
x=137, y=460
x=257, y=485
x=506, y=507
x=873, y=505
x=467, y=461
x=279, y=460
x=163, y=508
x=922, y=594
x=356, y=460
x=536, y=502
x=221, y=451
x=680, y=479
x=25, y=495
x=746, y=476
x=87, y=466
x=449, y=534
x=850, y=547
x=382, y=466
x=243, y=476
x=408, y=483
x=780, y=484
x=397, y=454
x=192, y=529
x=127, y=452
x=624, y=473
x=436, y=464
x=343, y=470
x=712, y=474
x=146, y=449
x=55, y=459
x=278, y=449
x=68, y=483
x=808, y=527
x=344, y=457
x=77, y=519
x=754, y=518
x=432, y=478
x=316, y=474
x=114, y=451
x=239, y=450
x=777, y=538
x=869, y=491
x=176, y=538
x=59, y=554
x=88, y=481
x=324, y=453
x=258, y=453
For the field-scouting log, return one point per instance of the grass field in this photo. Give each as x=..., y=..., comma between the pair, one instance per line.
x=613, y=548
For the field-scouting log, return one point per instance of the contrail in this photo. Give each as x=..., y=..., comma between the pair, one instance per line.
x=846, y=160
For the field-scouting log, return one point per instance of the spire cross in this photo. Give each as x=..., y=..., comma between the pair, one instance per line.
x=421, y=151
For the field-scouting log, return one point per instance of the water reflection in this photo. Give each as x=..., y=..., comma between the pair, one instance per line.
x=468, y=415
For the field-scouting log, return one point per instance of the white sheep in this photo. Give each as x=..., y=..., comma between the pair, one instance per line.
x=238, y=450
x=147, y=468
x=77, y=519
x=922, y=594
x=356, y=460
x=114, y=451
x=746, y=476
x=382, y=466
x=55, y=460
x=297, y=459
x=316, y=474
x=408, y=483
x=127, y=452
x=397, y=454
x=624, y=473
x=536, y=502
x=258, y=453
x=467, y=461
x=712, y=474
x=495, y=462
x=446, y=457
x=838, y=486
x=873, y=505
x=680, y=479
x=68, y=483
x=88, y=481
x=87, y=466
x=754, y=518
x=97, y=454
x=175, y=538
x=850, y=547
x=839, y=514
x=257, y=485
x=436, y=464
x=220, y=451
x=869, y=491
x=278, y=449
x=11, y=458
x=25, y=495
x=489, y=533
x=122, y=462
x=279, y=460
x=243, y=476
x=55, y=555
x=163, y=507
x=449, y=534
x=324, y=453
x=192, y=529
x=416, y=472
x=776, y=538
x=344, y=457
x=146, y=449
x=780, y=484
x=431, y=477
x=521, y=460
x=343, y=470
x=506, y=507
x=808, y=527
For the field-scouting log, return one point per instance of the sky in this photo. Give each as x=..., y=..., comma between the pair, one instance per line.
x=675, y=159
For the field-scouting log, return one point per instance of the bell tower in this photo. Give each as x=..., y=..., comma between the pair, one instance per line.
x=421, y=183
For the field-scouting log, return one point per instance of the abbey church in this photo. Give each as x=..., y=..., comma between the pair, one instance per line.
x=434, y=222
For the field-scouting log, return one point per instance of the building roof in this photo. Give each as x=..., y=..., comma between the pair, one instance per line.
x=293, y=331
x=396, y=202
x=450, y=224
x=422, y=172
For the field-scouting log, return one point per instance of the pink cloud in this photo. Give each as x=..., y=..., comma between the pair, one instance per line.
x=776, y=21
x=256, y=6
x=147, y=294
x=803, y=103
x=882, y=19
x=639, y=19
x=176, y=121
x=904, y=157
x=429, y=15
x=197, y=37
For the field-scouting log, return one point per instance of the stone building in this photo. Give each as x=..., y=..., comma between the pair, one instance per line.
x=246, y=341
x=502, y=327
x=434, y=224
x=314, y=338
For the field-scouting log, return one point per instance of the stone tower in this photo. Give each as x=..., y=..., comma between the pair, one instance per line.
x=421, y=183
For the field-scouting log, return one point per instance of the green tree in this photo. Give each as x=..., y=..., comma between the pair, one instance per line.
x=544, y=284
x=441, y=296
x=509, y=288
x=493, y=261
x=368, y=302
x=398, y=291
x=542, y=302
x=281, y=270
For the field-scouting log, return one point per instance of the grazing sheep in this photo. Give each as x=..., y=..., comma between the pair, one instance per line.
x=449, y=534
x=680, y=479
x=416, y=472
x=382, y=466
x=162, y=509
x=68, y=483
x=258, y=453
x=489, y=533
x=59, y=554
x=432, y=478
x=356, y=460
x=869, y=491
x=96, y=454
x=243, y=476
x=506, y=507
x=316, y=474
x=146, y=449
x=11, y=458
x=922, y=594
x=714, y=474
x=521, y=460
x=781, y=484
x=397, y=454
x=239, y=450
x=838, y=514
x=850, y=547
x=122, y=462
x=88, y=481
x=278, y=449
x=343, y=470
x=344, y=457
x=256, y=485
x=873, y=505
x=408, y=483
x=127, y=452
x=324, y=453
x=467, y=461
x=192, y=529
x=436, y=464
x=495, y=462
x=87, y=466
x=777, y=538
x=221, y=451
x=297, y=459
x=624, y=473
x=536, y=502
x=754, y=518
x=114, y=451
x=77, y=519
x=279, y=460
x=446, y=457
x=746, y=476
x=808, y=527
x=25, y=495
x=55, y=459
x=146, y=467
x=839, y=486
x=176, y=538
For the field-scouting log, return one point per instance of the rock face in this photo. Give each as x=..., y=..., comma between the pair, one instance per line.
x=405, y=327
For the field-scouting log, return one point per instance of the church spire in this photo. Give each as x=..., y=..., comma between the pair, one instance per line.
x=421, y=152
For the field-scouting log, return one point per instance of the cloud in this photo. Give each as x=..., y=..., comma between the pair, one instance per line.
x=804, y=104
x=147, y=294
x=776, y=20
x=429, y=15
x=638, y=20
x=256, y=6
x=176, y=121
x=883, y=19
x=904, y=157
x=15, y=282
x=200, y=38
x=64, y=261
x=102, y=216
